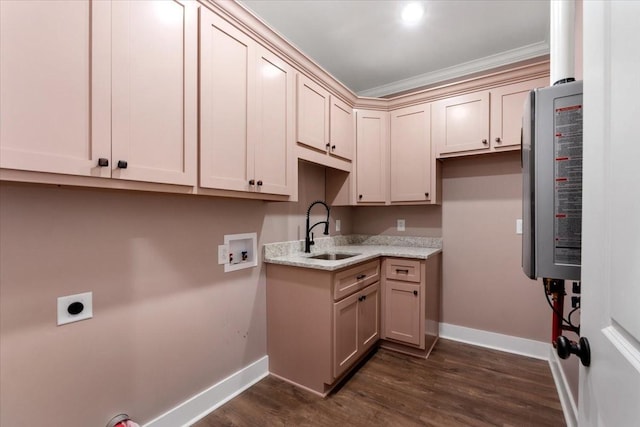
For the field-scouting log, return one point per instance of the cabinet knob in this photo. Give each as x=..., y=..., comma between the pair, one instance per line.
x=360, y=298
x=122, y=164
x=498, y=140
x=328, y=145
x=484, y=141
x=333, y=147
x=259, y=183
x=252, y=182
x=415, y=293
x=361, y=276
x=102, y=162
x=426, y=194
x=360, y=196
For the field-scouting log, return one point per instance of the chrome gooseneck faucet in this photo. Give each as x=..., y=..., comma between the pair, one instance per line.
x=308, y=240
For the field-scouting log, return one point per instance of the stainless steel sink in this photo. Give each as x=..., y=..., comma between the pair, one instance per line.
x=332, y=257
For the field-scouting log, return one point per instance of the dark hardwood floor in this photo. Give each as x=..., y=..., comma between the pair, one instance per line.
x=458, y=385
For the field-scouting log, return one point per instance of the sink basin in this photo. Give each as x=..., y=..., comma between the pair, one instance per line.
x=332, y=257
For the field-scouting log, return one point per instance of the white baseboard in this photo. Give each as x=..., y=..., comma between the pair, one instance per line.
x=507, y=343
x=203, y=403
x=567, y=401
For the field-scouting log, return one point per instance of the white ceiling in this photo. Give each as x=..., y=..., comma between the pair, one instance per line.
x=366, y=46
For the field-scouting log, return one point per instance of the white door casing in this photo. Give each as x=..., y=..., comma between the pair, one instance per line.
x=610, y=319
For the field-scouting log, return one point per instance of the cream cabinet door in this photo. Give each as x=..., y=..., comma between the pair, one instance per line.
x=154, y=94
x=227, y=77
x=313, y=114
x=402, y=320
x=368, y=317
x=274, y=125
x=461, y=124
x=507, y=106
x=372, y=143
x=345, y=334
x=341, y=136
x=54, y=116
x=410, y=154
x=246, y=112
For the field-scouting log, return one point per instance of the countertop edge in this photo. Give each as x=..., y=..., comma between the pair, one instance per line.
x=302, y=260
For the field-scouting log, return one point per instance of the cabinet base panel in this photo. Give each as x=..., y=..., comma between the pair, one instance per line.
x=430, y=342
x=310, y=390
x=328, y=388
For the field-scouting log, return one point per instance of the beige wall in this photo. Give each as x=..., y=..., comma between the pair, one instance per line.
x=286, y=221
x=168, y=322
x=483, y=284
x=424, y=221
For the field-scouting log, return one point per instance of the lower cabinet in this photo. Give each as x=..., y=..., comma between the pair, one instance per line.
x=320, y=323
x=403, y=306
x=356, y=321
x=411, y=304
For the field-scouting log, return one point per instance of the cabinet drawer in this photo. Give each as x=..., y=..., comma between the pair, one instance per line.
x=406, y=270
x=353, y=279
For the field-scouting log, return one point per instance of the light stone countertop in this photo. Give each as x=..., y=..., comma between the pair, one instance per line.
x=293, y=254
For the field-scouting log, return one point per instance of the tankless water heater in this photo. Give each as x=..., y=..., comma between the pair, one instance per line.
x=552, y=182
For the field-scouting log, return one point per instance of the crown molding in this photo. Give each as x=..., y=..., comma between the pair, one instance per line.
x=507, y=67
x=476, y=66
x=247, y=21
x=512, y=73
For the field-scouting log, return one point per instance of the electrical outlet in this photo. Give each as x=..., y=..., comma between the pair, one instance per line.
x=400, y=226
x=338, y=225
x=73, y=308
x=576, y=288
x=223, y=254
x=518, y=226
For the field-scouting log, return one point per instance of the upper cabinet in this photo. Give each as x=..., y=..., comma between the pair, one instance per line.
x=274, y=124
x=341, y=125
x=154, y=90
x=481, y=122
x=45, y=104
x=372, y=156
x=395, y=163
x=313, y=114
x=461, y=123
x=325, y=125
x=507, y=107
x=123, y=102
x=246, y=109
x=109, y=89
x=410, y=154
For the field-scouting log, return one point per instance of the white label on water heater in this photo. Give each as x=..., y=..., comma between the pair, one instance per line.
x=568, y=183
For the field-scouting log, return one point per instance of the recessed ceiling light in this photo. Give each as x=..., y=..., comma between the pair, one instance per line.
x=412, y=13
